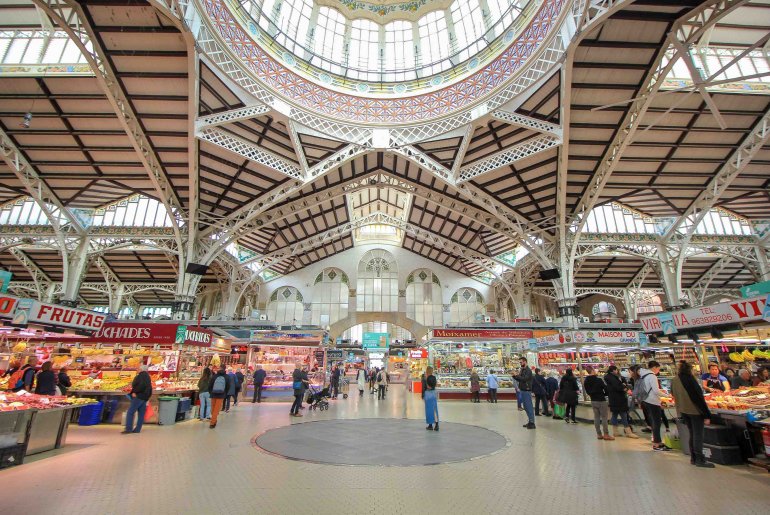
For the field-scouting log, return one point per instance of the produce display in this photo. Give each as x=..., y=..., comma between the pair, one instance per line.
x=462, y=382
x=742, y=357
x=24, y=401
x=104, y=385
x=748, y=398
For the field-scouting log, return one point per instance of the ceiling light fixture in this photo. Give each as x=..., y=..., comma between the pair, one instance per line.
x=27, y=121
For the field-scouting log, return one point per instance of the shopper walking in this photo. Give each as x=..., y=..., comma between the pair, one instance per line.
x=647, y=393
x=259, y=382
x=300, y=383
x=141, y=391
x=568, y=395
x=372, y=379
x=218, y=387
x=492, y=385
x=525, y=381
x=382, y=382
x=692, y=408
x=539, y=388
x=232, y=388
x=64, y=381
x=431, y=400
x=617, y=397
x=551, y=387
x=597, y=391
x=361, y=381
x=335, y=381
x=475, y=386
x=239, y=384
x=204, y=396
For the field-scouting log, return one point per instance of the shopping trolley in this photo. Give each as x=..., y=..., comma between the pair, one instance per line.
x=344, y=387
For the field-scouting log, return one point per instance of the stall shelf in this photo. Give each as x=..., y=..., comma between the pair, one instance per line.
x=277, y=354
x=457, y=386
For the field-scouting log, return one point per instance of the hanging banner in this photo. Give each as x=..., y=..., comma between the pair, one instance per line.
x=375, y=340
x=590, y=337
x=7, y=306
x=755, y=290
x=151, y=333
x=5, y=279
x=30, y=311
x=737, y=311
x=489, y=334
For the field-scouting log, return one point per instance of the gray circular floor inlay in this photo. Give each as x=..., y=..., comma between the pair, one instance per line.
x=380, y=441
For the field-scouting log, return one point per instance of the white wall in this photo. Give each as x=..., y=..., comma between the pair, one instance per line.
x=347, y=261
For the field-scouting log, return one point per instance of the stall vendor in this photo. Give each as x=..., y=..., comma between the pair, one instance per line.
x=714, y=380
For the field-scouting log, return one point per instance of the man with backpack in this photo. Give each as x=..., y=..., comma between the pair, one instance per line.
x=647, y=393
x=24, y=377
x=382, y=381
x=218, y=388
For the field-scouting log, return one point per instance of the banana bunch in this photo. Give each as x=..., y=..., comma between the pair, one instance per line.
x=748, y=356
x=215, y=361
x=736, y=357
x=761, y=354
x=20, y=347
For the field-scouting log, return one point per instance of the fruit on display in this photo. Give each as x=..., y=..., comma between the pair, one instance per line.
x=101, y=385
x=754, y=397
x=215, y=361
x=19, y=347
x=758, y=353
x=736, y=357
x=747, y=355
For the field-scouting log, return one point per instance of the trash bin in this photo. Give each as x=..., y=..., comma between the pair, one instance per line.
x=167, y=410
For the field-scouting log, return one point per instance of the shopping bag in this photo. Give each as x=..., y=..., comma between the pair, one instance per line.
x=149, y=412
x=672, y=441
x=559, y=410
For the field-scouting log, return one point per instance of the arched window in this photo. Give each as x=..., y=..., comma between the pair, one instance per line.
x=434, y=41
x=399, y=50
x=467, y=306
x=469, y=27
x=330, y=297
x=649, y=304
x=329, y=37
x=294, y=21
x=285, y=306
x=604, y=309
x=423, y=298
x=377, y=288
x=364, y=48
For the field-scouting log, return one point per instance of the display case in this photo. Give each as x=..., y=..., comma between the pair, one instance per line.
x=457, y=386
x=279, y=362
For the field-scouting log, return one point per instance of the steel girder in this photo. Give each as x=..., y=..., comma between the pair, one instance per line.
x=70, y=17
x=528, y=122
x=509, y=156
x=234, y=115
x=39, y=278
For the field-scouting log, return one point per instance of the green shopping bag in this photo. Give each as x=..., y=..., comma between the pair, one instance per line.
x=672, y=441
x=559, y=410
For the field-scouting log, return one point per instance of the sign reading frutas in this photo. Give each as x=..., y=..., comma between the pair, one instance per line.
x=737, y=311
x=30, y=311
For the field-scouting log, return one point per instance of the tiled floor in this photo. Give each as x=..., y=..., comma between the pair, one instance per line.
x=188, y=468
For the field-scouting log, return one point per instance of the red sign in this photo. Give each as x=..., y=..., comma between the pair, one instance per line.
x=153, y=333
x=136, y=333
x=32, y=312
x=7, y=306
x=488, y=334
x=418, y=353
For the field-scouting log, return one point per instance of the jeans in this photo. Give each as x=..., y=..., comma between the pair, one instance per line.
x=569, y=412
x=137, y=406
x=601, y=414
x=656, y=417
x=297, y=404
x=622, y=415
x=257, y=392
x=695, y=426
x=205, y=411
x=431, y=407
x=335, y=388
x=216, y=407
x=526, y=402
x=475, y=396
x=541, y=400
x=518, y=398
x=381, y=391
x=492, y=394
x=235, y=397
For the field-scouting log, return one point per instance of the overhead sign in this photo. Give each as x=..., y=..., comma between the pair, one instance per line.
x=738, y=311
x=335, y=354
x=153, y=333
x=755, y=290
x=375, y=340
x=590, y=337
x=30, y=311
x=488, y=334
x=5, y=279
x=418, y=353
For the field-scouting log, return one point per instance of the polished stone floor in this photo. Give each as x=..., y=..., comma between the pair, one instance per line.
x=188, y=468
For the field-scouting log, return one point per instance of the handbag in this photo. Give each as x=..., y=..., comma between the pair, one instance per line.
x=559, y=410
x=297, y=385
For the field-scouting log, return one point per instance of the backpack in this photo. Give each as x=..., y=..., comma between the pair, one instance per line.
x=220, y=385
x=17, y=379
x=379, y=377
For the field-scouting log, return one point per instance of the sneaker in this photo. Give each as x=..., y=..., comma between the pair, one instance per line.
x=530, y=426
x=704, y=464
x=662, y=448
x=435, y=428
x=646, y=430
x=429, y=428
x=599, y=437
x=608, y=437
x=126, y=432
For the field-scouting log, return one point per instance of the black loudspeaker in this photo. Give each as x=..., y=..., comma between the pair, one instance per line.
x=196, y=269
x=551, y=273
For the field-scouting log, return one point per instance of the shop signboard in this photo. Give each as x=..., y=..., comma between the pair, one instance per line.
x=30, y=311
x=378, y=340
x=609, y=336
x=335, y=354
x=554, y=339
x=733, y=312
x=197, y=336
x=766, y=313
x=319, y=358
x=418, y=353
x=755, y=290
x=5, y=279
x=485, y=334
x=152, y=333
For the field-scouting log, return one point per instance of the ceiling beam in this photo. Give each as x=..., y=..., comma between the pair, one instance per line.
x=234, y=115
x=509, y=156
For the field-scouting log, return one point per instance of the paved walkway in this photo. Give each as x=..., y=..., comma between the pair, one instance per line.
x=555, y=469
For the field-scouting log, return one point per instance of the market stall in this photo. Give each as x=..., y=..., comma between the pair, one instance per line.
x=278, y=353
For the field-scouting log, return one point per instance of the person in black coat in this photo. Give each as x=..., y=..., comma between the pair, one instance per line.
x=568, y=394
x=617, y=395
x=46, y=380
x=141, y=391
x=219, y=385
x=540, y=389
x=551, y=387
x=259, y=381
x=64, y=381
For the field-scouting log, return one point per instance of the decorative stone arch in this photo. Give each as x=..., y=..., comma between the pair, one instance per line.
x=361, y=317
